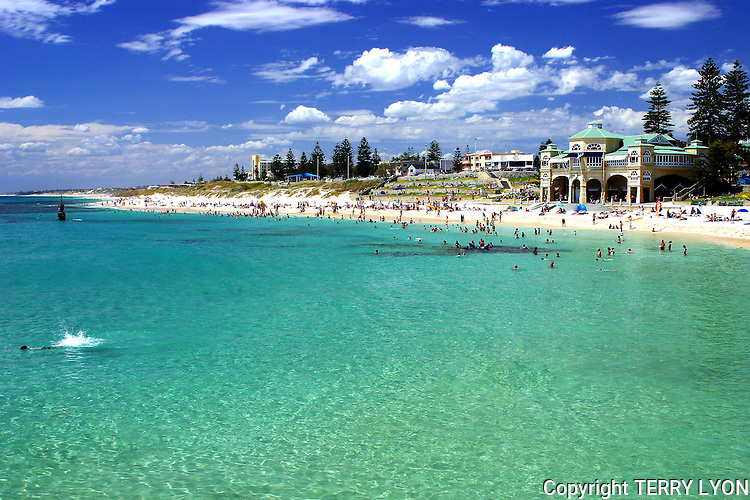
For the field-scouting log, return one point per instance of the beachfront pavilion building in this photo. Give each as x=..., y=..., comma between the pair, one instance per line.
x=600, y=166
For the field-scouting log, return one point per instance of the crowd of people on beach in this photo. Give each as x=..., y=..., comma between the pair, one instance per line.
x=485, y=217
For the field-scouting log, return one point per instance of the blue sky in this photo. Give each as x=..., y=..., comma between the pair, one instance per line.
x=120, y=93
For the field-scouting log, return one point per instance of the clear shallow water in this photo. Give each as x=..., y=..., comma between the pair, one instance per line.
x=284, y=359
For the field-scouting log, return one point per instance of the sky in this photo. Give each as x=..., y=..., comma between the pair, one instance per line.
x=118, y=93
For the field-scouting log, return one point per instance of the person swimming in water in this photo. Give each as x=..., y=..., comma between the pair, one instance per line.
x=27, y=348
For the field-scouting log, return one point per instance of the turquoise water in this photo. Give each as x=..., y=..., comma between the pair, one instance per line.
x=246, y=358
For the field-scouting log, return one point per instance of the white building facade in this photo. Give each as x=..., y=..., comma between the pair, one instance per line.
x=486, y=160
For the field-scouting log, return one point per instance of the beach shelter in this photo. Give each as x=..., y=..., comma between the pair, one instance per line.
x=742, y=210
x=512, y=207
x=558, y=204
x=580, y=207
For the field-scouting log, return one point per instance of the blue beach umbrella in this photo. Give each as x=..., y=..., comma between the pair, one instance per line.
x=580, y=207
x=742, y=210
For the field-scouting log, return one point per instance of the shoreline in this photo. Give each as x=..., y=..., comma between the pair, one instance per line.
x=736, y=233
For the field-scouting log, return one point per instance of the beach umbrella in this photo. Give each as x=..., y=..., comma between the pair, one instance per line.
x=558, y=204
x=580, y=207
x=742, y=210
x=512, y=207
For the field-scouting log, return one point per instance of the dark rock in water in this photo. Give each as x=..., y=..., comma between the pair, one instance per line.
x=61, y=210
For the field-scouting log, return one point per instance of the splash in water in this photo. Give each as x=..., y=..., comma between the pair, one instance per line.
x=78, y=340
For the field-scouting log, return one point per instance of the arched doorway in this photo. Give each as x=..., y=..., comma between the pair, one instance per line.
x=593, y=191
x=559, y=188
x=617, y=188
x=669, y=185
x=576, y=195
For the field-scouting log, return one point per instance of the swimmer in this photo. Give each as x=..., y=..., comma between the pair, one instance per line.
x=515, y=268
x=630, y=251
x=552, y=264
x=27, y=348
x=376, y=251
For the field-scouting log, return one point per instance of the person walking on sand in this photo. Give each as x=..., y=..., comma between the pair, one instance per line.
x=684, y=250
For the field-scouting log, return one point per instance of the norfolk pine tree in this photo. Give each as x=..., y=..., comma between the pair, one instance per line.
x=290, y=164
x=318, y=160
x=736, y=97
x=658, y=119
x=434, y=154
x=707, y=122
x=277, y=167
x=364, y=159
x=457, y=164
x=303, y=164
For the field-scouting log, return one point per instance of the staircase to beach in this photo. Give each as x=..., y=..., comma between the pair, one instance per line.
x=380, y=185
x=685, y=192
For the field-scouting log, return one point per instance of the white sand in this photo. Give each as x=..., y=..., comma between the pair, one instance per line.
x=734, y=232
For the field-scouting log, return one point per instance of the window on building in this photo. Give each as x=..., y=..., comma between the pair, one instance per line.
x=594, y=147
x=576, y=147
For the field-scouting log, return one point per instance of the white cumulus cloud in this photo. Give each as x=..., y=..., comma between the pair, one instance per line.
x=441, y=85
x=559, y=53
x=304, y=115
x=382, y=69
x=20, y=102
x=505, y=57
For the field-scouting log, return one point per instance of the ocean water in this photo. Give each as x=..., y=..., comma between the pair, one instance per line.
x=214, y=357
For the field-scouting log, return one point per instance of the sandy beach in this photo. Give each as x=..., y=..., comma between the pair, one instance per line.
x=713, y=222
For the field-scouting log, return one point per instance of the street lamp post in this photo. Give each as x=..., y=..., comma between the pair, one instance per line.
x=474, y=160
